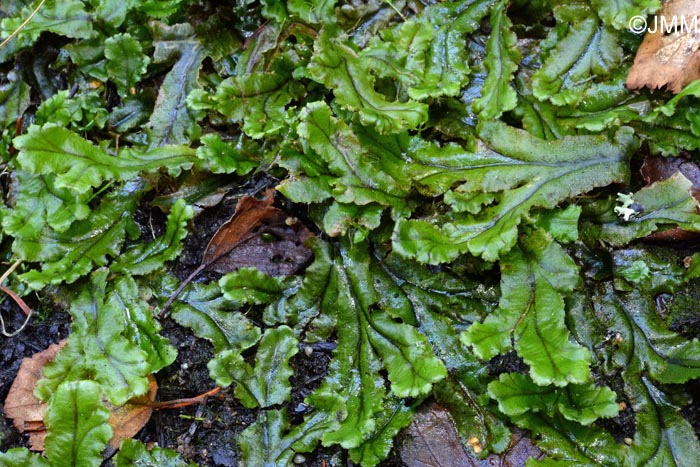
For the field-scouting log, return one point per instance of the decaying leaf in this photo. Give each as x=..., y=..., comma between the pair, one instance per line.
x=25, y=410
x=128, y=419
x=433, y=440
x=259, y=235
x=28, y=412
x=655, y=169
x=668, y=56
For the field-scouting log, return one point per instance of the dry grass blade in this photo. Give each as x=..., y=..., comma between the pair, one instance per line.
x=23, y=25
x=18, y=300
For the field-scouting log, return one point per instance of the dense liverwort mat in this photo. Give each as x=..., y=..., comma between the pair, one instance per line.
x=469, y=170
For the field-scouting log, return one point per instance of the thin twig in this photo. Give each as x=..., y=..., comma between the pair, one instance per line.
x=184, y=284
x=13, y=334
x=23, y=306
x=18, y=300
x=12, y=268
x=178, y=403
x=21, y=26
x=18, y=131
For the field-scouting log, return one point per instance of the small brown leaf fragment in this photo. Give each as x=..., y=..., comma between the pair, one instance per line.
x=258, y=235
x=521, y=449
x=25, y=410
x=655, y=169
x=128, y=419
x=667, y=57
x=432, y=440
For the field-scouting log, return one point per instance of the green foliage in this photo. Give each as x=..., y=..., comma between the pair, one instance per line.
x=67, y=18
x=80, y=113
x=340, y=68
x=74, y=252
x=270, y=441
x=665, y=204
x=134, y=453
x=210, y=316
x=362, y=176
x=314, y=11
x=172, y=122
x=126, y=62
x=224, y=157
x=77, y=430
x=14, y=99
x=522, y=169
x=141, y=326
x=79, y=165
x=22, y=457
x=582, y=51
x=664, y=437
x=534, y=279
x=619, y=12
x=76, y=421
x=466, y=167
x=648, y=355
x=369, y=342
x=395, y=417
x=635, y=268
x=100, y=347
x=502, y=56
x=251, y=286
x=142, y=259
x=267, y=384
x=666, y=356
x=569, y=444
x=443, y=65
x=258, y=99
x=40, y=206
x=341, y=218
x=583, y=403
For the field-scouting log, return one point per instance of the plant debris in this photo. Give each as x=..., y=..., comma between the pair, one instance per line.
x=21, y=405
x=669, y=56
x=433, y=440
x=28, y=412
x=259, y=235
x=452, y=212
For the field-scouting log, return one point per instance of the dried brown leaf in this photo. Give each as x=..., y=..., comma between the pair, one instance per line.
x=432, y=440
x=669, y=59
x=128, y=419
x=259, y=235
x=655, y=169
x=27, y=412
